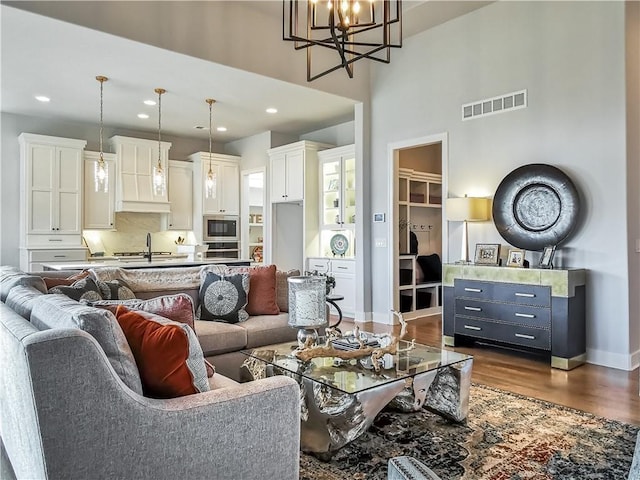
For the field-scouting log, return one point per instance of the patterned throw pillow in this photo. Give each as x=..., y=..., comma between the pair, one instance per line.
x=167, y=353
x=85, y=289
x=224, y=297
x=115, y=290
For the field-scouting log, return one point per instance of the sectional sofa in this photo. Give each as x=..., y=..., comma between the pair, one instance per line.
x=66, y=411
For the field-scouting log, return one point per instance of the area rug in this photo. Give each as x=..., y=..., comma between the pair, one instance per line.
x=506, y=437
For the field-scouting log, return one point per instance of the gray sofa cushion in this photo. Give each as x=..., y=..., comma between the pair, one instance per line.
x=59, y=311
x=268, y=329
x=218, y=337
x=11, y=277
x=21, y=300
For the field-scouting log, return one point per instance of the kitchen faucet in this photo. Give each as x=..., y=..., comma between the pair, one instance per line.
x=148, y=254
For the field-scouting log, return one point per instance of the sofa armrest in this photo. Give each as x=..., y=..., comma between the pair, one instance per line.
x=93, y=426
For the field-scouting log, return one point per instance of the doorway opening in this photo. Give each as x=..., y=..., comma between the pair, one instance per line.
x=418, y=229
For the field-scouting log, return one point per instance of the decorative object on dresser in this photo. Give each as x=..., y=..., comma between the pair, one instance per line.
x=487, y=254
x=536, y=205
x=546, y=260
x=467, y=209
x=355, y=29
x=515, y=258
x=159, y=177
x=101, y=169
x=535, y=310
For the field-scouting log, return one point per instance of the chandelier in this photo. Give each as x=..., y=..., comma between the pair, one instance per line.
x=355, y=29
x=159, y=178
x=210, y=181
x=101, y=169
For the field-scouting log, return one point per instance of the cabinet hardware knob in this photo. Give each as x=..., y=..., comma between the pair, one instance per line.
x=475, y=290
x=55, y=239
x=342, y=268
x=528, y=337
x=471, y=327
x=473, y=309
x=59, y=256
x=525, y=315
x=528, y=295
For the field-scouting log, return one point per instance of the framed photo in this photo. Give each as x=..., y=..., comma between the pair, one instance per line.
x=487, y=254
x=546, y=260
x=516, y=258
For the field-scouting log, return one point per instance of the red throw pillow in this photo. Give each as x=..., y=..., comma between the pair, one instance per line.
x=262, y=289
x=161, y=352
x=51, y=282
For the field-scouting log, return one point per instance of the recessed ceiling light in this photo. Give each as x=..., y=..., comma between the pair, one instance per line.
x=143, y=115
x=272, y=110
x=221, y=129
x=42, y=98
x=149, y=102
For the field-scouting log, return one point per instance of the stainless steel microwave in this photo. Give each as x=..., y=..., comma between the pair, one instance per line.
x=221, y=228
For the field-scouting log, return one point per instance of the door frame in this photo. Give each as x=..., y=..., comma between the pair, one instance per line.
x=244, y=213
x=393, y=156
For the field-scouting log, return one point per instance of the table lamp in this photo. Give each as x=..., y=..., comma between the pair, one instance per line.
x=307, y=309
x=467, y=209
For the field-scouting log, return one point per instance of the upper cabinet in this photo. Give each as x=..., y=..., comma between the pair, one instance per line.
x=288, y=170
x=180, y=188
x=99, y=207
x=135, y=161
x=51, y=176
x=338, y=188
x=226, y=192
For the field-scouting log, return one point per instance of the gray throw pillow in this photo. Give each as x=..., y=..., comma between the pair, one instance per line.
x=11, y=277
x=224, y=297
x=21, y=300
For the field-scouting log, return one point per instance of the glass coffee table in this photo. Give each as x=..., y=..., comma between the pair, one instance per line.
x=340, y=399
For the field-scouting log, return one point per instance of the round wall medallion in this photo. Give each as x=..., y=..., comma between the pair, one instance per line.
x=534, y=206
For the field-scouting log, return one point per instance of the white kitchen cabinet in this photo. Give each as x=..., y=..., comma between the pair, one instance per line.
x=226, y=200
x=32, y=259
x=180, y=196
x=99, y=207
x=338, y=188
x=51, y=190
x=135, y=162
x=293, y=213
x=344, y=272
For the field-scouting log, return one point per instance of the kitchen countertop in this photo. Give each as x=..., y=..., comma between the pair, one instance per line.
x=155, y=263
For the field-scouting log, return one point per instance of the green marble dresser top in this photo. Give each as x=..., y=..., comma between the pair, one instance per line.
x=561, y=281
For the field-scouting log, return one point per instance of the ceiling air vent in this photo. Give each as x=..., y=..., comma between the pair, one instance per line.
x=491, y=106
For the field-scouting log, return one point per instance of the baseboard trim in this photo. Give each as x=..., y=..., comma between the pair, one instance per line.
x=614, y=360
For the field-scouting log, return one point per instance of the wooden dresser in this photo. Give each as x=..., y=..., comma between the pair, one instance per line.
x=532, y=308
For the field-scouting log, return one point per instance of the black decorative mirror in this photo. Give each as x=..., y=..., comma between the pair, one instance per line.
x=536, y=205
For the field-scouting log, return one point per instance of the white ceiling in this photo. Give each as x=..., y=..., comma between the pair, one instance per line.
x=45, y=56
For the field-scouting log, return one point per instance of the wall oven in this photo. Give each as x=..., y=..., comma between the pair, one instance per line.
x=221, y=229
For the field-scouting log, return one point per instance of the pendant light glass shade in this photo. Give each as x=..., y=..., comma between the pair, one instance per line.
x=159, y=177
x=101, y=169
x=210, y=183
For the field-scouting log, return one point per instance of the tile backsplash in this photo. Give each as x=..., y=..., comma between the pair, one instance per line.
x=131, y=235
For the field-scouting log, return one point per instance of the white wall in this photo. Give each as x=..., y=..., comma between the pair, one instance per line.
x=13, y=125
x=570, y=57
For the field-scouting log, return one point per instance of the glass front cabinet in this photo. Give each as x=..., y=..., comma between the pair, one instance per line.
x=338, y=188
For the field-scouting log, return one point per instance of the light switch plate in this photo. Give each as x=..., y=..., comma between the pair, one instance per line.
x=381, y=242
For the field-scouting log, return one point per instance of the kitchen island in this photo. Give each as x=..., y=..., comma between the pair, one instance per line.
x=154, y=263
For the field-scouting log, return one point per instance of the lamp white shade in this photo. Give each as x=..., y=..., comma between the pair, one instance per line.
x=467, y=209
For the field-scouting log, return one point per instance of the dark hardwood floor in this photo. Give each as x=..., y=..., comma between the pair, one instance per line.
x=606, y=392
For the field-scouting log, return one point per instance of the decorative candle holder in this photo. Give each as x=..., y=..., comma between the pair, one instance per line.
x=307, y=307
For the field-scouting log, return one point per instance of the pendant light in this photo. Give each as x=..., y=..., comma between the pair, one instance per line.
x=210, y=181
x=101, y=169
x=159, y=178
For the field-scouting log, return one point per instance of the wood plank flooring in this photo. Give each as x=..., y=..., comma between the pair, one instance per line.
x=606, y=392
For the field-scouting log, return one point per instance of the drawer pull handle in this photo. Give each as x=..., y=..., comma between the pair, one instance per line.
x=528, y=295
x=525, y=315
x=471, y=327
x=59, y=256
x=55, y=239
x=474, y=290
x=528, y=337
x=473, y=309
x=342, y=268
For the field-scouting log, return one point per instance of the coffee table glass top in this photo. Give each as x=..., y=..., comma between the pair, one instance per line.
x=353, y=376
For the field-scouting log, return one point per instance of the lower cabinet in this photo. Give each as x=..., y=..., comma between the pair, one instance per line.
x=535, y=309
x=31, y=260
x=344, y=272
